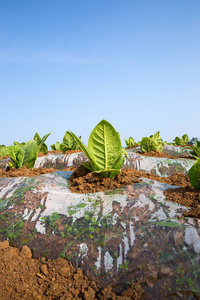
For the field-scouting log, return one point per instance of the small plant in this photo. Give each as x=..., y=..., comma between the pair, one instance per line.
x=194, y=175
x=25, y=155
x=69, y=142
x=37, y=138
x=3, y=150
x=104, y=151
x=152, y=143
x=55, y=147
x=130, y=142
x=181, y=141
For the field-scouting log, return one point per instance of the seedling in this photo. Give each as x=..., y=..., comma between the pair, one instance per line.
x=104, y=151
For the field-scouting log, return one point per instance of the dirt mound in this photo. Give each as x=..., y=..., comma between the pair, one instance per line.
x=23, y=277
x=83, y=181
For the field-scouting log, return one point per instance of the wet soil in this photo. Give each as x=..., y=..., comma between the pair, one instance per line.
x=23, y=277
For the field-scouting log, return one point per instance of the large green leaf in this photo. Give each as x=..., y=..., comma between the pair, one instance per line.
x=104, y=150
x=69, y=141
x=194, y=175
x=105, y=145
x=28, y=154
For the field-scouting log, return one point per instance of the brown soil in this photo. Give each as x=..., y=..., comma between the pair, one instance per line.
x=82, y=181
x=24, y=172
x=23, y=277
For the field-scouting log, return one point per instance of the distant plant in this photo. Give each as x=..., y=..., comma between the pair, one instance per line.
x=55, y=147
x=69, y=142
x=194, y=175
x=25, y=155
x=130, y=142
x=3, y=150
x=181, y=141
x=104, y=151
x=152, y=143
x=37, y=138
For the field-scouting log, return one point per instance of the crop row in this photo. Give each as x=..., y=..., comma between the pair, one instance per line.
x=104, y=151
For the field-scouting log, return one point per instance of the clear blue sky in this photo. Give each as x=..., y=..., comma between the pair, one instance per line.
x=68, y=64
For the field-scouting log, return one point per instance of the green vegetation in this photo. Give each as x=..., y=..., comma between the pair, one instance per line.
x=194, y=175
x=104, y=151
x=152, y=143
x=40, y=142
x=181, y=141
x=3, y=150
x=68, y=143
x=130, y=142
x=25, y=155
x=55, y=147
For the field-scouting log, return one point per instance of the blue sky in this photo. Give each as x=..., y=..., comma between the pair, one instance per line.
x=68, y=64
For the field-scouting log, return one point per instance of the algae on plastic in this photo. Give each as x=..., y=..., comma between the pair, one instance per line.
x=115, y=237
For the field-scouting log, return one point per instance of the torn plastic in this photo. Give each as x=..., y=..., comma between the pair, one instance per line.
x=115, y=237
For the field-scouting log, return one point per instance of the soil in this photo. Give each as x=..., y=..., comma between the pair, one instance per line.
x=24, y=172
x=23, y=277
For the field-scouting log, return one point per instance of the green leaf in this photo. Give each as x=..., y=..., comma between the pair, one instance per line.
x=42, y=147
x=130, y=142
x=105, y=145
x=28, y=154
x=152, y=143
x=71, y=212
x=178, y=141
x=89, y=155
x=13, y=153
x=104, y=150
x=68, y=141
x=194, y=175
x=185, y=139
x=81, y=205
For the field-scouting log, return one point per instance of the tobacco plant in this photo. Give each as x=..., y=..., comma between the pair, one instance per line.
x=25, y=155
x=152, y=143
x=130, y=142
x=3, y=150
x=181, y=141
x=37, y=138
x=104, y=151
x=55, y=147
x=68, y=143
